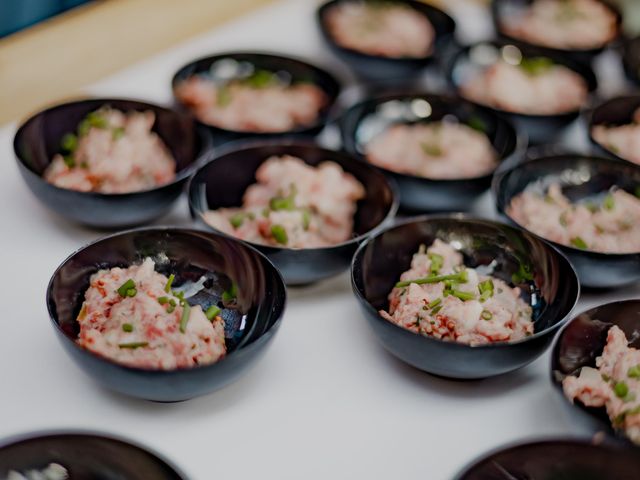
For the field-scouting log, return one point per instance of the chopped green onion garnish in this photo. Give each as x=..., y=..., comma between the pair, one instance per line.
x=224, y=96
x=436, y=310
x=434, y=303
x=167, y=287
x=437, y=261
x=562, y=219
x=634, y=372
x=486, y=286
x=579, y=243
x=163, y=300
x=69, y=142
x=118, y=133
x=171, y=308
x=260, y=79
x=621, y=389
x=536, y=65
x=132, y=292
x=282, y=203
x=237, y=220
x=69, y=161
x=186, y=312
x=431, y=149
x=127, y=327
x=464, y=296
x=229, y=295
x=486, y=315
x=477, y=124
x=265, y=212
x=133, y=345
x=212, y=312
x=83, y=128
x=123, y=291
x=458, y=277
x=279, y=234
x=609, y=203
x=636, y=191
x=306, y=219
x=96, y=119
x=605, y=377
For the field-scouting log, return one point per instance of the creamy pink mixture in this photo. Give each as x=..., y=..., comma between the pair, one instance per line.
x=259, y=103
x=536, y=86
x=611, y=226
x=128, y=316
x=293, y=205
x=614, y=384
x=623, y=140
x=439, y=297
x=380, y=28
x=53, y=471
x=112, y=152
x=433, y=150
x=564, y=24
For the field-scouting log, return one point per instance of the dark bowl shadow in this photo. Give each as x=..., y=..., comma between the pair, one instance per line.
x=631, y=59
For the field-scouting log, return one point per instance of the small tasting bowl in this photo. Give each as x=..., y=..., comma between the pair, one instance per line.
x=299, y=71
x=578, y=345
x=364, y=121
x=540, y=128
x=613, y=112
x=550, y=287
x=38, y=140
x=386, y=69
x=223, y=181
x=84, y=455
x=502, y=8
x=631, y=59
x=555, y=460
x=580, y=177
x=189, y=254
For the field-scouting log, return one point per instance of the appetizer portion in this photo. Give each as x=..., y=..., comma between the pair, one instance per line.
x=614, y=384
x=439, y=297
x=564, y=24
x=534, y=86
x=112, y=152
x=53, y=471
x=440, y=150
x=623, y=140
x=610, y=225
x=258, y=102
x=293, y=205
x=135, y=317
x=381, y=28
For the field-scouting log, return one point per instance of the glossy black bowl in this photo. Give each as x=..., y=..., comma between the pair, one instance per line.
x=581, y=177
x=190, y=254
x=85, y=455
x=547, y=280
x=362, y=122
x=502, y=8
x=296, y=69
x=471, y=60
x=555, y=460
x=578, y=345
x=223, y=181
x=616, y=111
x=379, y=68
x=631, y=59
x=38, y=140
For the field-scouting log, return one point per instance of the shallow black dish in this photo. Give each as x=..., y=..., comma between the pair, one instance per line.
x=362, y=122
x=581, y=177
x=578, y=345
x=547, y=280
x=631, y=59
x=500, y=8
x=539, y=128
x=613, y=112
x=378, y=68
x=298, y=266
x=85, y=455
x=38, y=140
x=298, y=70
x=190, y=254
x=555, y=460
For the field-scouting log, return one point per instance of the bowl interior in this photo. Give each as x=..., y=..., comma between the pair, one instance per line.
x=631, y=58
x=204, y=264
x=617, y=111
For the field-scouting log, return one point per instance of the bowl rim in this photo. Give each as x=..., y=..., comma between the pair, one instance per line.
x=243, y=145
x=455, y=217
x=174, y=371
x=420, y=7
x=496, y=190
x=521, y=137
x=181, y=175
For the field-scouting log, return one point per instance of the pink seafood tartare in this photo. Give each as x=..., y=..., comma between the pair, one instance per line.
x=610, y=226
x=439, y=297
x=261, y=102
x=442, y=150
x=623, y=140
x=565, y=24
x=112, y=152
x=381, y=28
x=534, y=86
x=293, y=205
x=133, y=316
x=614, y=384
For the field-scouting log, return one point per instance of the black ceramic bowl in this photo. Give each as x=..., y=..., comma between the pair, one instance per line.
x=364, y=121
x=85, y=455
x=616, y=111
x=190, y=254
x=555, y=460
x=546, y=278
x=296, y=70
x=501, y=9
x=38, y=140
x=473, y=59
x=581, y=177
x=379, y=68
x=631, y=59
x=578, y=345
x=223, y=181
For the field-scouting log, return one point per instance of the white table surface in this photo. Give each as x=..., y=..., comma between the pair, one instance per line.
x=326, y=401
